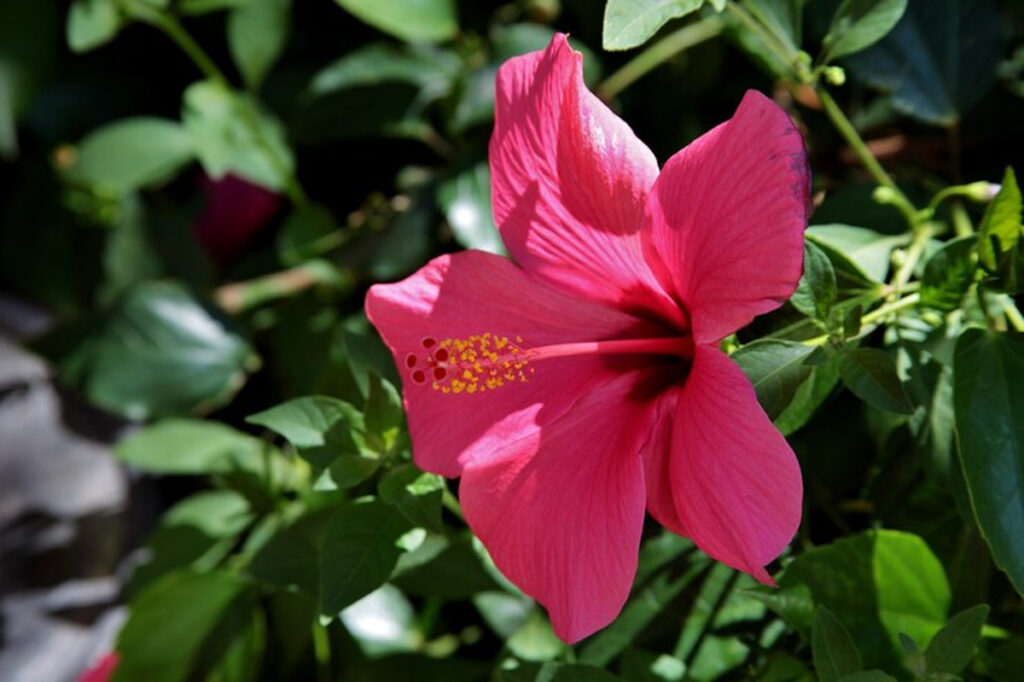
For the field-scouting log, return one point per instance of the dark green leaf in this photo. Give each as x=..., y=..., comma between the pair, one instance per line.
x=777, y=368
x=938, y=61
x=290, y=559
x=629, y=23
x=835, y=653
x=92, y=23
x=411, y=20
x=870, y=374
x=953, y=647
x=313, y=421
x=781, y=17
x=466, y=202
x=416, y=494
x=948, y=274
x=868, y=676
x=131, y=154
x=431, y=70
x=257, y=33
x=157, y=352
x=816, y=293
x=231, y=133
x=359, y=552
x=783, y=667
x=454, y=572
x=858, y=24
x=383, y=415
x=207, y=610
x=308, y=232
x=988, y=397
x=794, y=604
x=204, y=6
x=810, y=396
x=880, y=583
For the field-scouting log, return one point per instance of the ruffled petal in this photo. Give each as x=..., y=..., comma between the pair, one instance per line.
x=561, y=511
x=734, y=480
x=569, y=182
x=725, y=219
x=489, y=305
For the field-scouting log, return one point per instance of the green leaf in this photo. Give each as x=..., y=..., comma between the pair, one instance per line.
x=810, y=396
x=776, y=368
x=880, y=583
x=870, y=374
x=307, y=233
x=208, y=610
x=290, y=559
x=416, y=494
x=536, y=640
x=629, y=23
x=186, y=446
x=204, y=6
x=359, y=552
x=999, y=235
x=868, y=676
x=430, y=69
x=953, y=647
x=783, y=18
x=816, y=293
x=257, y=33
x=383, y=415
x=856, y=251
x=948, y=274
x=131, y=154
x=938, y=61
x=414, y=21
x=858, y=24
x=311, y=421
x=466, y=202
x=835, y=653
x=382, y=622
x=157, y=352
x=92, y=23
x=988, y=398
x=232, y=134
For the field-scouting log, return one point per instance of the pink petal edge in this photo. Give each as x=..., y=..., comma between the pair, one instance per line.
x=726, y=217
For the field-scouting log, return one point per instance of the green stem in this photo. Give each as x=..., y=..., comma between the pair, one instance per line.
x=922, y=233
x=322, y=651
x=771, y=41
x=1013, y=315
x=451, y=504
x=853, y=139
x=171, y=27
x=874, y=316
x=666, y=48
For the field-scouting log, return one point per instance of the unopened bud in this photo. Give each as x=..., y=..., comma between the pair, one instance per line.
x=884, y=195
x=835, y=75
x=982, y=191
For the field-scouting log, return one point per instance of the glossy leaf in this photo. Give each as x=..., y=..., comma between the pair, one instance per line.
x=411, y=20
x=157, y=352
x=858, y=24
x=835, y=653
x=777, y=368
x=999, y=236
x=430, y=69
x=938, y=61
x=257, y=33
x=466, y=202
x=988, y=397
x=856, y=251
x=131, y=154
x=870, y=374
x=416, y=494
x=359, y=552
x=629, y=23
x=948, y=274
x=810, y=396
x=879, y=583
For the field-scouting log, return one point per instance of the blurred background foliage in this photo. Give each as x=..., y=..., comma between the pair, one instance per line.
x=197, y=193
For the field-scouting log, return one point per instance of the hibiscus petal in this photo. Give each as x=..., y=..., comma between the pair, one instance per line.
x=465, y=296
x=725, y=219
x=561, y=511
x=733, y=478
x=569, y=182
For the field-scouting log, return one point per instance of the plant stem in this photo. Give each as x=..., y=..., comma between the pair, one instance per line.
x=322, y=651
x=770, y=40
x=666, y=48
x=874, y=316
x=238, y=297
x=853, y=138
x=171, y=27
x=1013, y=315
x=922, y=233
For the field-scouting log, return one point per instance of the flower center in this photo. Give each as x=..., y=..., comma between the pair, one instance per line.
x=486, y=362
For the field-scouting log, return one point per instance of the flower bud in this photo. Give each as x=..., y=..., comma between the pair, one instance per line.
x=835, y=75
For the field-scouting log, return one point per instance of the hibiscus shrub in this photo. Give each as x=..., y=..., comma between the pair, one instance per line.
x=683, y=348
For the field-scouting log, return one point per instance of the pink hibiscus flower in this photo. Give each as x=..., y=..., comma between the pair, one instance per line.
x=583, y=384
x=102, y=670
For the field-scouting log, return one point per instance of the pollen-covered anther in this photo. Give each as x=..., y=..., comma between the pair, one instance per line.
x=476, y=363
